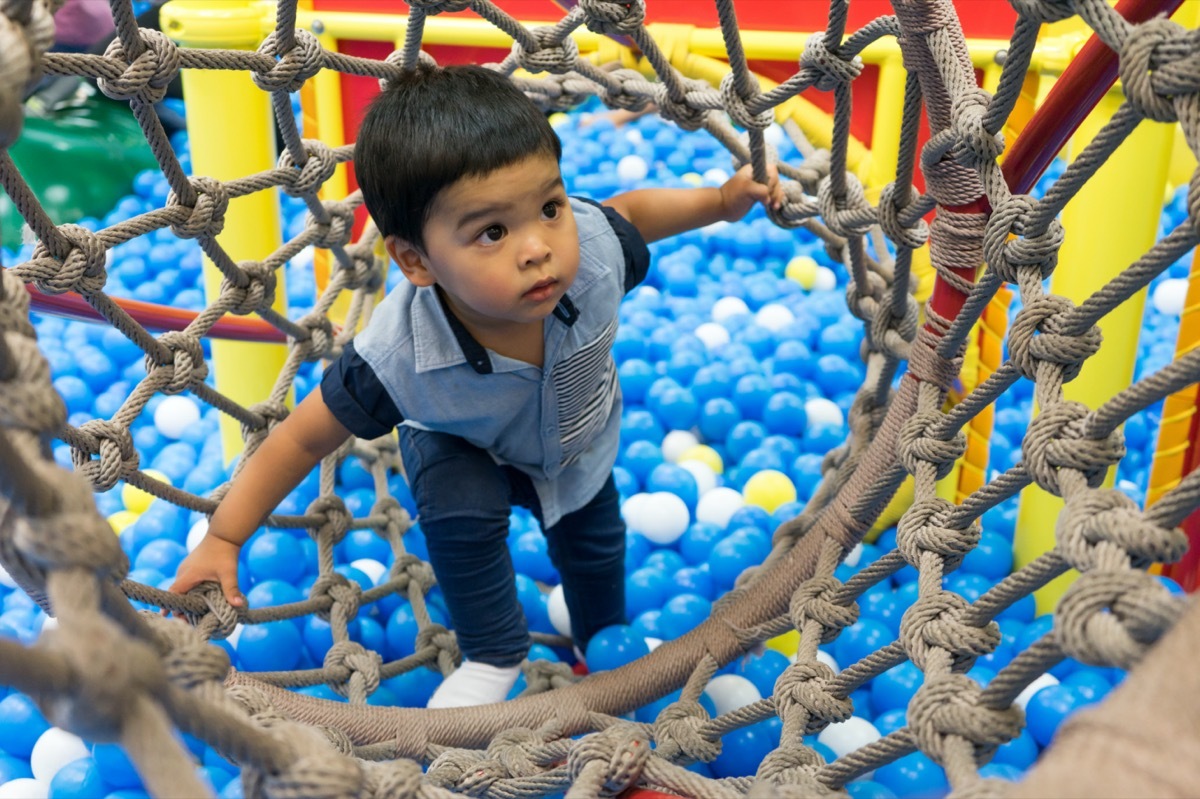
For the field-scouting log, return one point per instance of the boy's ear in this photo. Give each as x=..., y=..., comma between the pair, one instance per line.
x=410, y=260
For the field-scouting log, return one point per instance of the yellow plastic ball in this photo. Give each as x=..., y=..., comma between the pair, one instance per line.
x=769, y=489
x=122, y=519
x=137, y=500
x=706, y=455
x=558, y=119
x=803, y=270
x=785, y=644
x=692, y=178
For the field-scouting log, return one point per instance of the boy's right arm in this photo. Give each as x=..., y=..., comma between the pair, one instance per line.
x=289, y=453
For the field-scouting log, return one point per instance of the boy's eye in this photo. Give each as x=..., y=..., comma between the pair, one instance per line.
x=550, y=209
x=491, y=235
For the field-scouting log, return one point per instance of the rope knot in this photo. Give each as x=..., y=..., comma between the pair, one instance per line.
x=816, y=600
x=682, y=113
x=318, y=343
x=1043, y=11
x=974, y=145
x=951, y=706
x=113, y=443
x=396, y=59
x=610, y=18
x=803, y=688
x=206, y=217
x=332, y=519
x=444, y=645
x=889, y=210
x=1104, y=529
x=146, y=77
x=679, y=735
x=364, y=270
x=1111, y=618
x=924, y=528
x=918, y=446
x=797, y=206
x=833, y=70
x=398, y=521
x=466, y=772
x=271, y=412
x=356, y=661
x=863, y=301
x=544, y=675
x=434, y=7
x=395, y=779
x=306, y=179
x=337, y=231
x=1040, y=336
x=1006, y=248
x=738, y=110
x=850, y=215
x=1055, y=441
x=608, y=762
x=289, y=70
x=935, y=622
x=257, y=295
x=416, y=571
x=555, y=53
x=324, y=776
x=75, y=537
x=791, y=771
x=632, y=92
x=222, y=617
x=893, y=335
x=519, y=751
x=1157, y=68
x=81, y=268
x=191, y=661
x=186, y=367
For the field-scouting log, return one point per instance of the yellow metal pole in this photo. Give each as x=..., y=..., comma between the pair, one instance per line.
x=1102, y=239
x=232, y=135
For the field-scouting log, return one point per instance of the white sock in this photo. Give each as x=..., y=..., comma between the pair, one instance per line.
x=475, y=683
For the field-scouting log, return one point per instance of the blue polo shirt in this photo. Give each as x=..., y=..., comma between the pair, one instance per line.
x=416, y=364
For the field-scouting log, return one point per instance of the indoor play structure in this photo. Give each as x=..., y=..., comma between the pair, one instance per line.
x=908, y=464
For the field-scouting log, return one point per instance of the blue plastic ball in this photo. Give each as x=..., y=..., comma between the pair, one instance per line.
x=675, y=480
x=271, y=646
x=784, y=414
x=640, y=458
x=12, y=768
x=614, y=647
x=79, y=779
x=1049, y=708
x=697, y=542
x=861, y=639
x=751, y=394
x=646, y=589
x=718, y=418
x=763, y=669
x=743, y=437
x=693, y=580
x=21, y=724
x=639, y=424
x=913, y=775
x=531, y=557
x=682, y=613
x=894, y=688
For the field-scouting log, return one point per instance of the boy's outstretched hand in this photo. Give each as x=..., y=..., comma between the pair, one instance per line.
x=213, y=560
x=742, y=191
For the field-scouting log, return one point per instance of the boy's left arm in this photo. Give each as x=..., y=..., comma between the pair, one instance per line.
x=659, y=213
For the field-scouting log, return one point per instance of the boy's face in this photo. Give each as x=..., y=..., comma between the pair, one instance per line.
x=503, y=247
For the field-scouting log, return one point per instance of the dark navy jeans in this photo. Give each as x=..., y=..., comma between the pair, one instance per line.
x=464, y=500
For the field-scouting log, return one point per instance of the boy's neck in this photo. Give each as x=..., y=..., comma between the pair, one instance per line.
x=523, y=341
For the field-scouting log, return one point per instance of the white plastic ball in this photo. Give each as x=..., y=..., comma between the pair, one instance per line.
x=853, y=556
x=635, y=510
x=826, y=279
x=49, y=623
x=24, y=788
x=728, y=307
x=718, y=506
x=716, y=175
x=712, y=334
x=775, y=135
x=370, y=567
x=653, y=643
x=1170, y=296
x=706, y=478
x=634, y=136
x=6, y=579
x=730, y=692
x=1045, y=681
x=174, y=415
x=233, y=638
x=774, y=317
x=827, y=659
x=560, y=617
x=677, y=442
x=823, y=411
x=665, y=520
x=632, y=168
x=54, y=749
x=848, y=736
x=197, y=533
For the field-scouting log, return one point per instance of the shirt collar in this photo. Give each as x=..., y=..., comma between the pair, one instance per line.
x=436, y=334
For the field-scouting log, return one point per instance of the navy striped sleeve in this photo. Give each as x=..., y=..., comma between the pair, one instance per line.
x=637, y=254
x=356, y=398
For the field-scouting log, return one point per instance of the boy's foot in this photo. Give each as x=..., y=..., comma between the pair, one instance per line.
x=475, y=683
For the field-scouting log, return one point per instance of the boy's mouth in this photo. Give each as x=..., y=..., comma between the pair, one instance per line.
x=542, y=289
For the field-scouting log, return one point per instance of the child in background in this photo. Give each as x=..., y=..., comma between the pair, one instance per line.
x=492, y=360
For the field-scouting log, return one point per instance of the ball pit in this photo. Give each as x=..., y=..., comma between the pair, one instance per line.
x=738, y=360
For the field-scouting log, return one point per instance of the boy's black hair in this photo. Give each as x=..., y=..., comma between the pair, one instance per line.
x=433, y=126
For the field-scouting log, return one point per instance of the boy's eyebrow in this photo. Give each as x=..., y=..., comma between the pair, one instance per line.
x=483, y=211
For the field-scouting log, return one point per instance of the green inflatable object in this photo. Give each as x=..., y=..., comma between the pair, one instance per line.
x=78, y=159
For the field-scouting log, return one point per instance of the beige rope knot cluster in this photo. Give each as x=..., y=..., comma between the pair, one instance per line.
x=1055, y=446
x=337, y=231
x=951, y=710
x=1006, y=247
x=818, y=601
x=1105, y=528
x=181, y=367
x=318, y=342
x=1158, y=73
x=608, y=762
x=679, y=734
x=79, y=265
x=360, y=665
x=1114, y=617
x=791, y=771
x=207, y=217
x=614, y=18
x=847, y=213
x=926, y=527
x=113, y=444
x=975, y=144
x=554, y=53
x=545, y=675
x=257, y=293
x=440, y=646
x=803, y=690
x=306, y=178
x=143, y=78
x=921, y=443
x=1040, y=337
x=738, y=107
x=831, y=68
x=289, y=71
x=933, y=627
x=683, y=114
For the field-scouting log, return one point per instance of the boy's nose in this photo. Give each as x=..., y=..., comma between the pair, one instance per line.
x=535, y=251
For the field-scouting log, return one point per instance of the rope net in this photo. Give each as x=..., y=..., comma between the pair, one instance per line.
x=112, y=673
